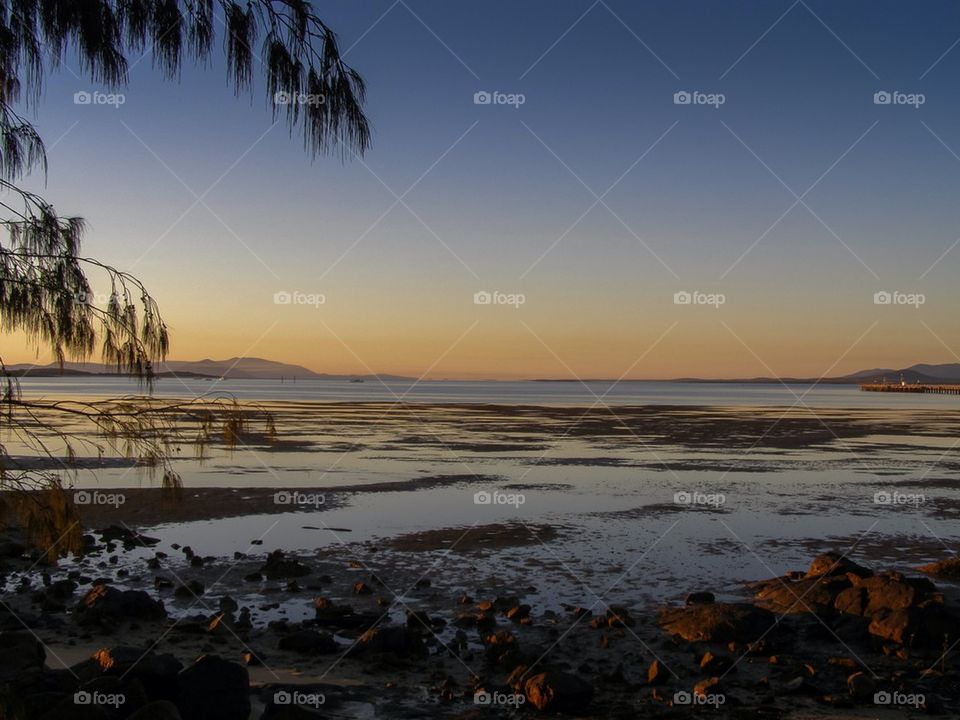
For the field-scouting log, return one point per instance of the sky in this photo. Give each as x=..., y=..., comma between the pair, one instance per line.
x=589, y=201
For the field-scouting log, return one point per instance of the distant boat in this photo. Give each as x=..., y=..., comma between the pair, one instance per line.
x=356, y=380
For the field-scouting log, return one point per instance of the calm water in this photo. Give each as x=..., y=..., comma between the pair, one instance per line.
x=517, y=392
x=613, y=497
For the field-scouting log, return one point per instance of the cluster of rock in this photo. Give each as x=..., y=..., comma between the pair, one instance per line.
x=798, y=622
x=783, y=644
x=120, y=682
x=905, y=615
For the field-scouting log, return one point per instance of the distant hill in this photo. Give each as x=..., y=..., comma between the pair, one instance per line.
x=232, y=369
x=943, y=374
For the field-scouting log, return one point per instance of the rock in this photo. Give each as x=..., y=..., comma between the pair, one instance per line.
x=657, y=673
x=192, y=589
x=834, y=563
x=158, y=710
x=715, y=663
x=309, y=642
x=10, y=548
x=927, y=629
x=19, y=652
x=280, y=567
x=948, y=569
x=228, y=604
x=798, y=686
x=886, y=591
x=705, y=688
x=253, y=657
x=157, y=673
x=555, y=691
x=361, y=588
x=700, y=598
x=502, y=648
x=105, y=604
x=129, y=538
x=244, y=622
x=62, y=589
x=808, y=594
x=418, y=619
x=861, y=686
x=400, y=641
x=518, y=613
x=613, y=617
x=844, y=662
x=719, y=622
x=214, y=689
x=329, y=614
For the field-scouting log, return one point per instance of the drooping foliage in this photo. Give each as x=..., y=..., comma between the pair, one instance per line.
x=44, y=288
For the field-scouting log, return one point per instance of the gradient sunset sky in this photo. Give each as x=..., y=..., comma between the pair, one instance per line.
x=502, y=198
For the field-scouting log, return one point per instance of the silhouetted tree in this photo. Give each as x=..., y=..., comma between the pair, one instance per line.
x=44, y=289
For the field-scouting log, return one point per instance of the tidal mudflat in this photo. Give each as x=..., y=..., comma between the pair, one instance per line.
x=465, y=560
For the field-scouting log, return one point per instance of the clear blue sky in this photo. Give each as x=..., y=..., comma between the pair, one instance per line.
x=496, y=211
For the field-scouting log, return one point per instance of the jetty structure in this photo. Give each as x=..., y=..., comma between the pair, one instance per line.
x=905, y=387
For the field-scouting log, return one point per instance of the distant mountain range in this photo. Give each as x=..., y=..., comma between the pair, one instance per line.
x=943, y=374
x=232, y=368
x=261, y=369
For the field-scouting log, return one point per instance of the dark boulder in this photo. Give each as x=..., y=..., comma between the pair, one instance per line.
x=214, y=689
x=834, y=563
x=157, y=710
x=554, y=691
x=19, y=652
x=886, y=591
x=278, y=566
x=815, y=594
x=948, y=569
x=398, y=640
x=309, y=642
x=718, y=622
x=104, y=604
x=927, y=629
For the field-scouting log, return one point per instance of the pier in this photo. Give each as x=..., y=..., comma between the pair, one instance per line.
x=911, y=388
